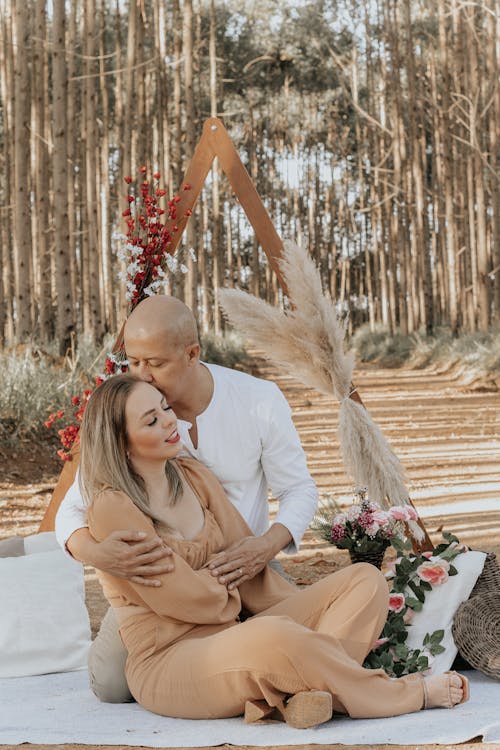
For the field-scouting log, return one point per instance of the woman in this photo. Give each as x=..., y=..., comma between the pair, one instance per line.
x=188, y=654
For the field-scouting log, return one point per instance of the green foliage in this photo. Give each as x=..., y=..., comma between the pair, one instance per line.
x=393, y=655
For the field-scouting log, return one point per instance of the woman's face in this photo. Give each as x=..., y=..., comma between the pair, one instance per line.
x=151, y=425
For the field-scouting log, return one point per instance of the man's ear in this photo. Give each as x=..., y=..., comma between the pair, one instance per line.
x=193, y=353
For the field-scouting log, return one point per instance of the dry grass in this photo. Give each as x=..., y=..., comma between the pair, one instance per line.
x=476, y=354
x=36, y=381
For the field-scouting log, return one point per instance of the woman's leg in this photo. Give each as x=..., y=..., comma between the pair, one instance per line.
x=265, y=658
x=271, y=656
x=351, y=605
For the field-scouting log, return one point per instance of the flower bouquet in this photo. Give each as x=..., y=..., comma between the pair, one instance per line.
x=366, y=530
x=144, y=252
x=412, y=576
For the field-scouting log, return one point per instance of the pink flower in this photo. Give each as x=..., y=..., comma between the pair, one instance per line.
x=353, y=512
x=412, y=513
x=398, y=512
x=396, y=603
x=427, y=554
x=365, y=520
x=434, y=572
x=381, y=517
x=402, y=513
x=337, y=533
x=408, y=616
x=458, y=547
x=379, y=642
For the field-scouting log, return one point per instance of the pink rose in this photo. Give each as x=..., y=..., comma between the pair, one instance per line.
x=381, y=517
x=396, y=603
x=379, y=642
x=398, y=512
x=427, y=554
x=459, y=547
x=434, y=572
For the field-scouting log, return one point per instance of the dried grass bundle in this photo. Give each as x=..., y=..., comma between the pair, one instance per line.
x=308, y=342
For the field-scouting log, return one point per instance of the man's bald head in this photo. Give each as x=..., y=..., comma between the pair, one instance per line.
x=164, y=319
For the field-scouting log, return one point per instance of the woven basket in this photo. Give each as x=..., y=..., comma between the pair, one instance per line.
x=476, y=625
x=476, y=632
x=375, y=558
x=489, y=580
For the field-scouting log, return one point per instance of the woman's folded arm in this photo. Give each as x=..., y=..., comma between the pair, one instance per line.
x=185, y=594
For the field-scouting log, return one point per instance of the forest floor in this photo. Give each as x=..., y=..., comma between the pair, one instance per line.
x=446, y=434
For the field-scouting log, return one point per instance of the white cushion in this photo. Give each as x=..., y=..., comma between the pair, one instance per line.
x=44, y=623
x=440, y=606
x=44, y=542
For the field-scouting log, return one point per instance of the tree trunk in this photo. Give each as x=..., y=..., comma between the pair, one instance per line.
x=22, y=222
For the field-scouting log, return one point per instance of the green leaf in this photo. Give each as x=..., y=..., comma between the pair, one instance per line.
x=435, y=650
x=412, y=603
x=437, y=636
x=417, y=591
x=401, y=651
x=385, y=659
x=422, y=663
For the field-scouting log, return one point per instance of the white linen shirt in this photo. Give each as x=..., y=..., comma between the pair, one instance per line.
x=247, y=438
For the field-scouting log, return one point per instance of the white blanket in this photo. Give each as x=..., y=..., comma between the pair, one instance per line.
x=60, y=708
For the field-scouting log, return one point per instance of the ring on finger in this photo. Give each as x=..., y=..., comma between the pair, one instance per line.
x=240, y=571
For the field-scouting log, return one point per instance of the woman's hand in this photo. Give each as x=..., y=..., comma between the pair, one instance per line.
x=125, y=554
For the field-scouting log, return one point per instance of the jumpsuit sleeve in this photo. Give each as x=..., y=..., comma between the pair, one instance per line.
x=187, y=595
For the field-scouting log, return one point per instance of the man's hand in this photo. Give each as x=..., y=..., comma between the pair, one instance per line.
x=125, y=554
x=244, y=559
x=241, y=561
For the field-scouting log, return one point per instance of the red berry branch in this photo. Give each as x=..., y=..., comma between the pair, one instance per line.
x=144, y=253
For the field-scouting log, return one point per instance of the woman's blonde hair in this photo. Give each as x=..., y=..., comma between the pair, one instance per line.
x=103, y=448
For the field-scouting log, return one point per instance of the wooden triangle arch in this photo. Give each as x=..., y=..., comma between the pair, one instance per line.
x=214, y=142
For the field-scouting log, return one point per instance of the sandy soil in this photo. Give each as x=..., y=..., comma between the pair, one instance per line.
x=446, y=434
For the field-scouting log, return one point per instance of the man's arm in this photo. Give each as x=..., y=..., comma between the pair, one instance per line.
x=126, y=554
x=284, y=465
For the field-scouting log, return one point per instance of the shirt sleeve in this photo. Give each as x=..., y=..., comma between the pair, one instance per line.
x=285, y=468
x=188, y=595
x=71, y=516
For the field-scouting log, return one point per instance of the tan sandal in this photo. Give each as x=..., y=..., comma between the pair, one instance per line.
x=301, y=711
x=256, y=711
x=307, y=709
x=448, y=703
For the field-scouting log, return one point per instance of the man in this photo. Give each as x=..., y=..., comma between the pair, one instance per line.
x=238, y=426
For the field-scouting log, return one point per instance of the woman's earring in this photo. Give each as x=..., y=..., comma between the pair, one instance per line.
x=128, y=456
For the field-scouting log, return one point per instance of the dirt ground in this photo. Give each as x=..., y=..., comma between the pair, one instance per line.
x=446, y=434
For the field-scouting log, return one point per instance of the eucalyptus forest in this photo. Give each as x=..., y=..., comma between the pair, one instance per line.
x=369, y=127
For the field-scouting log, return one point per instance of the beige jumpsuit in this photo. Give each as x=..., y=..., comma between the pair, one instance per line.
x=189, y=657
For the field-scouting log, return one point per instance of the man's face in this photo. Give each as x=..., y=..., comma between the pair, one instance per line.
x=157, y=362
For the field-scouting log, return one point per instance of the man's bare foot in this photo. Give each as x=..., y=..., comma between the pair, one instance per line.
x=445, y=690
